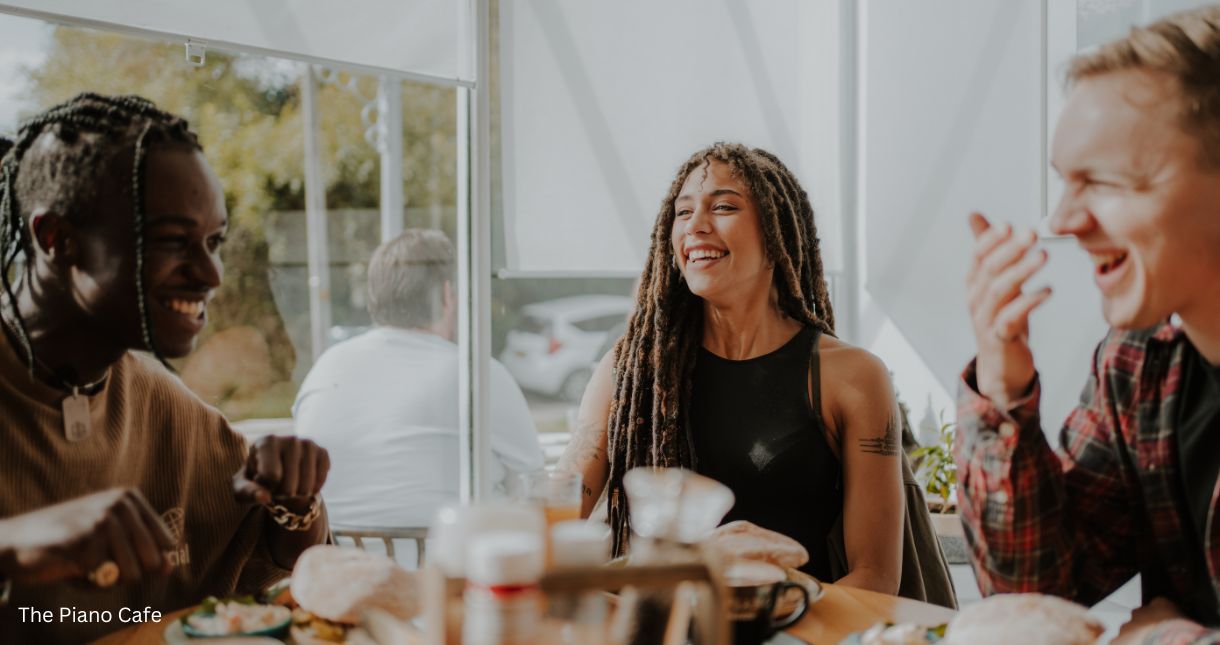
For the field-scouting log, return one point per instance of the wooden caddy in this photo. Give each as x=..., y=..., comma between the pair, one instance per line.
x=443, y=597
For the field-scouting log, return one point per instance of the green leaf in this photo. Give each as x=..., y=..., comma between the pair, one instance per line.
x=208, y=606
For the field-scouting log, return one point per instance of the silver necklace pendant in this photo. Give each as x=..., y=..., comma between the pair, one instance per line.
x=76, y=416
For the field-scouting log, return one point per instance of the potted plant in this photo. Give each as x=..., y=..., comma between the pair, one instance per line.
x=936, y=469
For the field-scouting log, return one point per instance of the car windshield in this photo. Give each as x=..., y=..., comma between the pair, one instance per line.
x=599, y=323
x=535, y=325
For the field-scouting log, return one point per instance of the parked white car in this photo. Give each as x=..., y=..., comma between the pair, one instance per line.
x=553, y=349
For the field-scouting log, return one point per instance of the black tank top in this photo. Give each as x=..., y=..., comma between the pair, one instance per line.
x=754, y=430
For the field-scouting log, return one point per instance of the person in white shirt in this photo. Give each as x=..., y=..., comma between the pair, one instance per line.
x=387, y=400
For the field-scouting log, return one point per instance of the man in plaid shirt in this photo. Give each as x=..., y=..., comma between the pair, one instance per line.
x=1133, y=488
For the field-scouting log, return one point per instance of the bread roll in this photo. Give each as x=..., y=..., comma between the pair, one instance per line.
x=338, y=584
x=1019, y=619
x=742, y=540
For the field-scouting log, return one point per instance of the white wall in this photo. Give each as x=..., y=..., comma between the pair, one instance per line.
x=601, y=102
x=951, y=118
x=957, y=103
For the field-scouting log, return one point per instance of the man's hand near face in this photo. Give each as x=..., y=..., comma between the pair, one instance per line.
x=999, y=310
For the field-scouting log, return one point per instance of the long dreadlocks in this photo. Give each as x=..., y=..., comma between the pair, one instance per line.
x=81, y=145
x=655, y=357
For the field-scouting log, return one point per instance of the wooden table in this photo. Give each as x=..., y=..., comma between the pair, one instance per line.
x=844, y=610
x=841, y=611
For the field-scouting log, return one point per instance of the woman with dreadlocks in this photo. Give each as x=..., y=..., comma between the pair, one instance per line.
x=729, y=366
x=118, y=488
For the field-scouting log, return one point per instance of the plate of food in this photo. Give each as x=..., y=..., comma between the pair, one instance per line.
x=335, y=587
x=231, y=618
x=1003, y=619
x=330, y=594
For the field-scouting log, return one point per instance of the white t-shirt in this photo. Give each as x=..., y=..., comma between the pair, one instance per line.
x=385, y=405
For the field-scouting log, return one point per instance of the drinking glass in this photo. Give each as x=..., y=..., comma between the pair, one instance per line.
x=557, y=492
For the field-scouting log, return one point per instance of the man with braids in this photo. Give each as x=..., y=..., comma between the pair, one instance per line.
x=119, y=489
x=729, y=366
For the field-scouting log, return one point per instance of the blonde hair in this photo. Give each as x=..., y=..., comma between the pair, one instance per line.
x=406, y=278
x=1185, y=46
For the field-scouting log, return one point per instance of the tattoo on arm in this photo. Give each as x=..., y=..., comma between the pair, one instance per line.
x=584, y=448
x=887, y=445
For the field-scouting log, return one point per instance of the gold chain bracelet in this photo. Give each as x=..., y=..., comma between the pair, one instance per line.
x=293, y=521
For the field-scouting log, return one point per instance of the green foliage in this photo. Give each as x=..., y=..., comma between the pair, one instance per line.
x=936, y=465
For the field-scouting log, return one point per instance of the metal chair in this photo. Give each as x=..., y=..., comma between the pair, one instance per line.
x=386, y=534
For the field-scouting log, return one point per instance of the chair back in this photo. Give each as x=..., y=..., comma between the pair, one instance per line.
x=359, y=535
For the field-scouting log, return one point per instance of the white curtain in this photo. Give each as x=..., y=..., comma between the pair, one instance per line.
x=952, y=123
x=601, y=102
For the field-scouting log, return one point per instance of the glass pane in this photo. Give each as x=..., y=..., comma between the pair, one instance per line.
x=549, y=334
x=602, y=324
x=246, y=112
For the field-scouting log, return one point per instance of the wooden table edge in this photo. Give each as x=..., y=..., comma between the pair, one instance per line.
x=846, y=610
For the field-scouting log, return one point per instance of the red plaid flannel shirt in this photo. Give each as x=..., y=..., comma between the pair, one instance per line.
x=1081, y=521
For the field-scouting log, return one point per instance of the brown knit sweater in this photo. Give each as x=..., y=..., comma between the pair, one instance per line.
x=150, y=432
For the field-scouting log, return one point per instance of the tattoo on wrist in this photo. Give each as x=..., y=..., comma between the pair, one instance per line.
x=588, y=491
x=887, y=445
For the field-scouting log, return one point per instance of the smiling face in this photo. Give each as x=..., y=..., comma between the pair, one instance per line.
x=1136, y=197
x=717, y=236
x=185, y=224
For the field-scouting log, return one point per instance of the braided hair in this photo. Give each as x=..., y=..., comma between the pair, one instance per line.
x=654, y=359
x=62, y=159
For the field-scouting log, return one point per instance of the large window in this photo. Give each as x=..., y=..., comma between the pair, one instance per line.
x=320, y=166
x=549, y=333
x=249, y=114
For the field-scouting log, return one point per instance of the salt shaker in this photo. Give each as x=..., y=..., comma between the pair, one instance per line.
x=503, y=601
